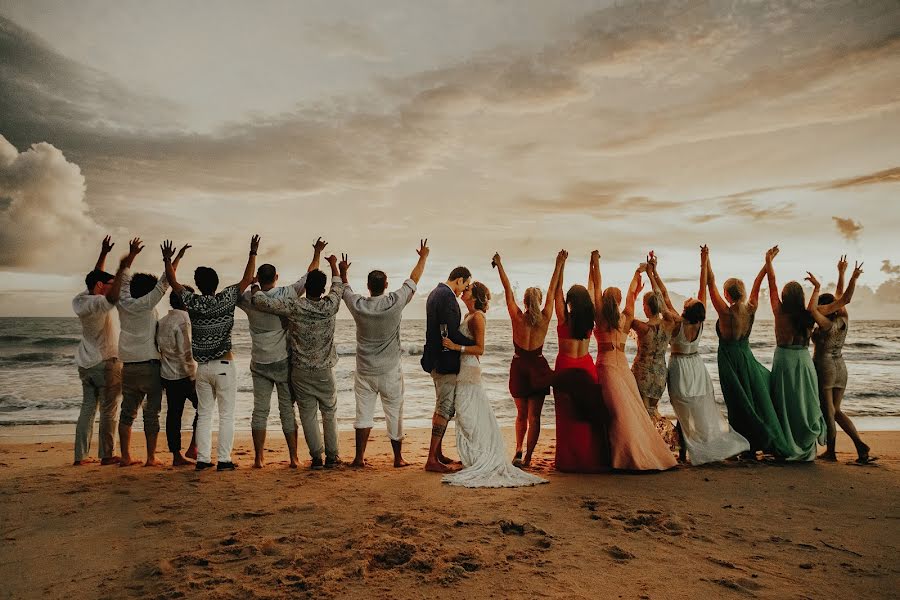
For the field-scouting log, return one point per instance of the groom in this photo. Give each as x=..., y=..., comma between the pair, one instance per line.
x=442, y=309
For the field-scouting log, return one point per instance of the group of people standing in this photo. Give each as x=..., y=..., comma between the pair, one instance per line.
x=606, y=409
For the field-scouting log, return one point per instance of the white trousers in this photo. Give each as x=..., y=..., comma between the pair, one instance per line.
x=216, y=384
x=390, y=387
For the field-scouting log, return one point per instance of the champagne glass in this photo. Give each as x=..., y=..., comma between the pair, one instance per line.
x=444, y=334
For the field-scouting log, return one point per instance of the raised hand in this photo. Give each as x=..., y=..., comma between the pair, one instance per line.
x=595, y=255
x=812, y=279
x=332, y=260
x=135, y=246
x=771, y=253
x=639, y=286
x=704, y=252
x=857, y=270
x=107, y=245
x=319, y=245
x=344, y=264
x=842, y=263
x=254, y=244
x=423, y=250
x=562, y=256
x=651, y=261
x=182, y=251
x=495, y=260
x=642, y=268
x=168, y=249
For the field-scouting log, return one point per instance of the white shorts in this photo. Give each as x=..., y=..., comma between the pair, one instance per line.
x=390, y=387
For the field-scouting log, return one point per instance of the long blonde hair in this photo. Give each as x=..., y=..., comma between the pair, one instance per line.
x=533, y=314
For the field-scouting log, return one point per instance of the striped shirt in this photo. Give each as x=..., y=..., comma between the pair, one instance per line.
x=212, y=318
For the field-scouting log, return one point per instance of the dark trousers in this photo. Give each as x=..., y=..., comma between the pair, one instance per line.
x=177, y=392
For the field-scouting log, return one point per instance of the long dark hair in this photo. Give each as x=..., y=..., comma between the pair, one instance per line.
x=828, y=299
x=793, y=305
x=579, y=312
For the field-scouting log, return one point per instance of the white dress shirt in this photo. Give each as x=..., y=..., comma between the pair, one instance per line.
x=99, y=330
x=173, y=336
x=137, y=318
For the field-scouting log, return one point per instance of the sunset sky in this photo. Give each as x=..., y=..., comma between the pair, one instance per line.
x=513, y=126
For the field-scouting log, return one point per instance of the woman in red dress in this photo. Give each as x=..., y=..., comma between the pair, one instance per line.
x=529, y=374
x=581, y=438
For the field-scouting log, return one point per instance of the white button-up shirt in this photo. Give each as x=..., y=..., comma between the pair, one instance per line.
x=173, y=336
x=99, y=330
x=137, y=318
x=267, y=331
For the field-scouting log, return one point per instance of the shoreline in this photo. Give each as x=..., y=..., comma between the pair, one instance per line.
x=730, y=530
x=66, y=431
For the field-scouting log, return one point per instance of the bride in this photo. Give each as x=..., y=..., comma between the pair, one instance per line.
x=478, y=437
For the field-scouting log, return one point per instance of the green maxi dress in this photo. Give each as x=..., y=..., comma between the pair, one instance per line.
x=795, y=395
x=745, y=387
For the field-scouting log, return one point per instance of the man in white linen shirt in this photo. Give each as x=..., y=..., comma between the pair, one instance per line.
x=378, y=367
x=178, y=370
x=141, y=383
x=269, y=362
x=96, y=358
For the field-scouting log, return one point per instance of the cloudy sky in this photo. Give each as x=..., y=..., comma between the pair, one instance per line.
x=516, y=126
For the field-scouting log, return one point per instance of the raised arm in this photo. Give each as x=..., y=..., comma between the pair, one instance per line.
x=774, y=297
x=318, y=247
x=250, y=269
x=115, y=290
x=550, y=300
x=106, y=247
x=847, y=296
x=704, y=259
x=559, y=300
x=344, y=268
x=511, y=305
x=634, y=288
x=423, y=253
x=659, y=287
x=821, y=320
x=718, y=302
x=842, y=269
x=753, y=300
x=168, y=250
x=596, y=280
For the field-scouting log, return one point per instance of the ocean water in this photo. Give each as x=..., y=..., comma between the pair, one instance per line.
x=39, y=381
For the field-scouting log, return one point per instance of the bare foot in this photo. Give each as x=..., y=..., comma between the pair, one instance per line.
x=258, y=463
x=829, y=456
x=85, y=461
x=448, y=461
x=295, y=464
x=153, y=462
x=437, y=467
x=127, y=461
x=191, y=452
x=179, y=461
x=110, y=460
x=359, y=463
x=526, y=462
x=399, y=463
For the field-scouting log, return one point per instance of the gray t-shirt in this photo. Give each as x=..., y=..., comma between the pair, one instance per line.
x=378, y=327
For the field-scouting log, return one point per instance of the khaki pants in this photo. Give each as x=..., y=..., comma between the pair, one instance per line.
x=315, y=391
x=101, y=386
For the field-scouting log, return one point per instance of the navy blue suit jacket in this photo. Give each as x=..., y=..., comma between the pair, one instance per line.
x=442, y=307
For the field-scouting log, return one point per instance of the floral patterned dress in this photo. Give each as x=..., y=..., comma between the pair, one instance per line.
x=650, y=372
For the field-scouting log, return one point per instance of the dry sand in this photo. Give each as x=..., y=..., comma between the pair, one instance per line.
x=728, y=531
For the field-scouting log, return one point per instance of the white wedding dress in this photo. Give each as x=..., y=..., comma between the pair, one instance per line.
x=478, y=437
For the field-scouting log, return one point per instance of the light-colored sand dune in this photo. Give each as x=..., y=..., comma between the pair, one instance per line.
x=728, y=531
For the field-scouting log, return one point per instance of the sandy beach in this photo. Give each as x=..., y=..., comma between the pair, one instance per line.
x=734, y=530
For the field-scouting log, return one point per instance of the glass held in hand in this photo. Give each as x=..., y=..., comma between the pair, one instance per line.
x=444, y=333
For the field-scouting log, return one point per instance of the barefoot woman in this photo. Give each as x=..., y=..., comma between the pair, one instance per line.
x=795, y=392
x=745, y=382
x=582, y=441
x=830, y=367
x=633, y=441
x=529, y=374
